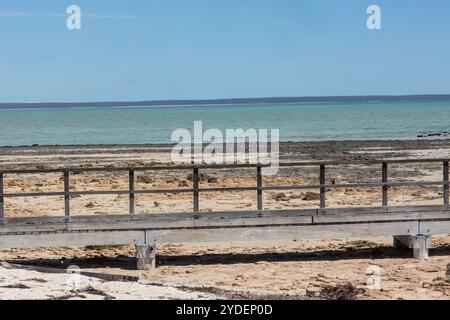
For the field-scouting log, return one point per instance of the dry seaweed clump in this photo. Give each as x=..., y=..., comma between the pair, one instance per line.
x=203, y=177
x=341, y=292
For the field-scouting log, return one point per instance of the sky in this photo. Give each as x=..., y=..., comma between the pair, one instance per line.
x=205, y=49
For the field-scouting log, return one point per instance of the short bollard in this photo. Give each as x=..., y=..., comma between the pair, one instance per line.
x=146, y=256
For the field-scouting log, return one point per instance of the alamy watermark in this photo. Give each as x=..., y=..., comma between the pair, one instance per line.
x=75, y=280
x=234, y=146
x=374, y=19
x=373, y=277
x=73, y=21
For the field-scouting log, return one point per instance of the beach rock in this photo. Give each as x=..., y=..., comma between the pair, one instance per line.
x=212, y=179
x=281, y=197
x=144, y=179
x=341, y=292
x=432, y=134
x=90, y=205
x=335, y=181
x=183, y=183
x=311, y=196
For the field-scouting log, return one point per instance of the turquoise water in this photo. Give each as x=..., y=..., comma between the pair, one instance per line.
x=297, y=122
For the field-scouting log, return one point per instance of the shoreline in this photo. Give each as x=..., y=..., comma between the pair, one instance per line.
x=148, y=154
x=310, y=142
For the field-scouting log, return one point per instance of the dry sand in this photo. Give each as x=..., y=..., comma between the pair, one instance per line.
x=278, y=269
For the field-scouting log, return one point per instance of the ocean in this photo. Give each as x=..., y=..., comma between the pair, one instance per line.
x=296, y=122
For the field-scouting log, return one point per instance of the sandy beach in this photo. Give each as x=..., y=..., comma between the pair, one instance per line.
x=224, y=150
x=323, y=269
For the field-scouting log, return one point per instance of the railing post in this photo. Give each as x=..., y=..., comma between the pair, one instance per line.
x=323, y=190
x=259, y=185
x=66, y=193
x=446, y=187
x=195, y=179
x=131, y=189
x=2, y=198
x=384, y=180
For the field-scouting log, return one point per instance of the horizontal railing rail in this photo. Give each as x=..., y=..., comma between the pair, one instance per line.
x=196, y=190
x=225, y=166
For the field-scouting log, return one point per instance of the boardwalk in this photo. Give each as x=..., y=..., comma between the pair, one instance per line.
x=411, y=226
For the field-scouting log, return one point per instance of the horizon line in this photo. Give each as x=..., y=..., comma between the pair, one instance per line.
x=218, y=101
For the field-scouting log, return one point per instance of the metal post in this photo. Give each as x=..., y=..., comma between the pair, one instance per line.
x=195, y=179
x=66, y=193
x=322, y=188
x=2, y=199
x=131, y=183
x=384, y=180
x=446, y=187
x=259, y=185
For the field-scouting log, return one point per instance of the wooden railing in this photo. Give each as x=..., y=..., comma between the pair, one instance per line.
x=196, y=190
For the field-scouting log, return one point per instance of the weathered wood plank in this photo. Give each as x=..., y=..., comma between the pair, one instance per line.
x=72, y=239
x=259, y=183
x=384, y=180
x=208, y=235
x=131, y=188
x=163, y=217
x=446, y=181
x=66, y=193
x=387, y=210
x=283, y=233
x=323, y=189
x=2, y=199
x=435, y=227
x=393, y=216
x=160, y=216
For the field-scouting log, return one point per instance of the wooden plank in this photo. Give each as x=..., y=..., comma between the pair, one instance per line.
x=231, y=166
x=384, y=180
x=72, y=239
x=2, y=199
x=195, y=179
x=320, y=231
x=283, y=233
x=435, y=227
x=259, y=185
x=374, y=210
x=323, y=189
x=131, y=188
x=372, y=217
x=162, y=191
x=208, y=235
x=223, y=215
x=194, y=223
x=66, y=193
x=446, y=186
x=15, y=229
x=158, y=217
x=238, y=219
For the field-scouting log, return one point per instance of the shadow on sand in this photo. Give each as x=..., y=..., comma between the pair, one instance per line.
x=129, y=263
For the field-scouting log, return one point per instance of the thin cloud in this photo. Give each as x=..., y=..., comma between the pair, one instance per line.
x=23, y=14
x=83, y=15
x=107, y=16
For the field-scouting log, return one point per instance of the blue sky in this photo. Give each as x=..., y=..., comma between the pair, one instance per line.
x=200, y=49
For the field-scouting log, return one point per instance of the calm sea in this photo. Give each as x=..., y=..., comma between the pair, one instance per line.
x=296, y=122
